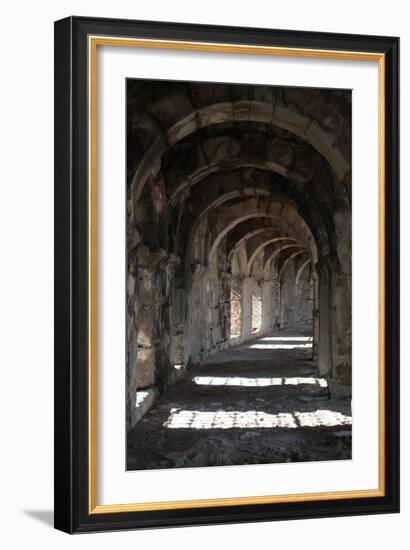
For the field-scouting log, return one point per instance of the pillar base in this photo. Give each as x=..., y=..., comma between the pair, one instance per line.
x=338, y=390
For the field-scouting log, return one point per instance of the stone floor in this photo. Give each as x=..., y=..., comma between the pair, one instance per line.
x=261, y=402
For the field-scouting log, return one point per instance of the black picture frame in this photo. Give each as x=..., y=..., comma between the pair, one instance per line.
x=71, y=491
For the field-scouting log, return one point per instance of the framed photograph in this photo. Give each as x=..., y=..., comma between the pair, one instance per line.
x=226, y=274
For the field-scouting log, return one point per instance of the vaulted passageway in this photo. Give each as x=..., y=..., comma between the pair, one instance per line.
x=238, y=227
x=261, y=402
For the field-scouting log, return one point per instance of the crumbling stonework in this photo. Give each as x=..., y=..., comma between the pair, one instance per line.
x=241, y=193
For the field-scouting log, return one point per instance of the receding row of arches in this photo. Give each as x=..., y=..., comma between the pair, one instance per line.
x=239, y=223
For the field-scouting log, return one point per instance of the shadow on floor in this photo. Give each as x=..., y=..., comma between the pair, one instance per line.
x=245, y=405
x=43, y=516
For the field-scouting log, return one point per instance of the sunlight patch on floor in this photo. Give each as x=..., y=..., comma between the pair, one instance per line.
x=280, y=346
x=258, y=382
x=286, y=339
x=206, y=420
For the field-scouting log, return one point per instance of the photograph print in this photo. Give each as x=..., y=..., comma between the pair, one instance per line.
x=239, y=271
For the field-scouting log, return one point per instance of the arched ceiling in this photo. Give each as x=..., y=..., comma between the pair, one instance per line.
x=265, y=166
x=164, y=113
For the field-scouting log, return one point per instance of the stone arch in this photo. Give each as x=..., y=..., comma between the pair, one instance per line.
x=284, y=215
x=273, y=254
x=324, y=235
x=288, y=258
x=227, y=152
x=301, y=269
x=246, y=233
x=296, y=301
x=219, y=113
x=232, y=224
x=261, y=246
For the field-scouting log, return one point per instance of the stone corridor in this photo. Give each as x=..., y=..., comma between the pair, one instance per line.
x=238, y=238
x=262, y=401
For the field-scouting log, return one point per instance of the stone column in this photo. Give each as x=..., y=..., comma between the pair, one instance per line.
x=178, y=349
x=341, y=290
x=133, y=240
x=147, y=338
x=275, y=300
x=198, y=315
x=132, y=347
x=142, y=325
x=342, y=328
x=246, y=330
x=268, y=314
x=164, y=332
x=325, y=328
x=316, y=321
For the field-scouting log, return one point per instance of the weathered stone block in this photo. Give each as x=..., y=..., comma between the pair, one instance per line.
x=323, y=142
x=289, y=120
x=182, y=128
x=261, y=112
x=241, y=110
x=145, y=367
x=215, y=114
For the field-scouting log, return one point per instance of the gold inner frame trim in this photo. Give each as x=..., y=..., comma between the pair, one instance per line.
x=93, y=42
